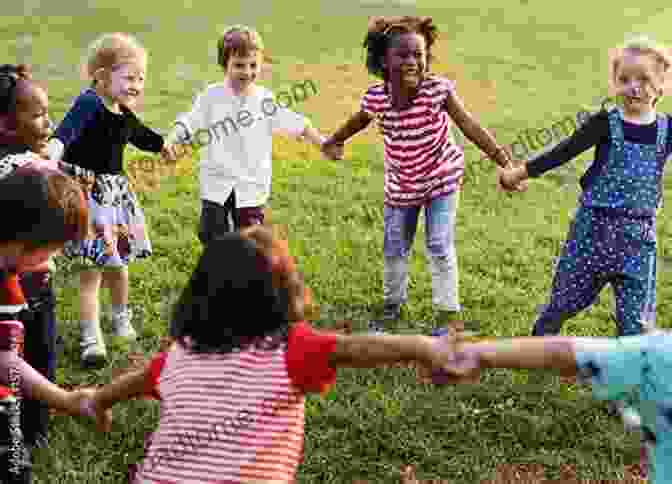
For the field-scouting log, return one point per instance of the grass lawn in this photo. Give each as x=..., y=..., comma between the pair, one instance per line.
x=518, y=65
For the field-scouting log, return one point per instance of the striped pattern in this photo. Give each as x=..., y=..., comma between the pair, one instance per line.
x=422, y=161
x=234, y=418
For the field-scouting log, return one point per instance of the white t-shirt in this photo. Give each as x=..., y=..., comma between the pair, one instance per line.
x=236, y=138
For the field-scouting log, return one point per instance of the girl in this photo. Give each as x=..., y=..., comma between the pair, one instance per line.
x=613, y=236
x=48, y=208
x=233, y=392
x=93, y=135
x=423, y=166
x=24, y=131
x=234, y=121
x=615, y=366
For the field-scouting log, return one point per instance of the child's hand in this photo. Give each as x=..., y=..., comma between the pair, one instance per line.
x=451, y=363
x=83, y=402
x=169, y=152
x=509, y=179
x=332, y=151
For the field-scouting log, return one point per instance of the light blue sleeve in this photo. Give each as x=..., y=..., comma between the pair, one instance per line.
x=612, y=365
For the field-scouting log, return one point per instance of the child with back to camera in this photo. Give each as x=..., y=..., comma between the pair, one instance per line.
x=232, y=389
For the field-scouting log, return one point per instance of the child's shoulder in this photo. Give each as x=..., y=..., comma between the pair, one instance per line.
x=89, y=98
x=437, y=84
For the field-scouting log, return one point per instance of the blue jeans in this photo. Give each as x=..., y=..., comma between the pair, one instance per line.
x=400, y=228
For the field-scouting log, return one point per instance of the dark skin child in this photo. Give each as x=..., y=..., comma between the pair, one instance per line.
x=29, y=124
x=405, y=63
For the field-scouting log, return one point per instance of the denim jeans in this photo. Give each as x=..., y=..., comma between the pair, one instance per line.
x=400, y=228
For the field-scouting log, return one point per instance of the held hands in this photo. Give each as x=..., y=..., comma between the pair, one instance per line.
x=169, y=152
x=512, y=178
x=83, y=402
x=452, y=362
x=331, y=150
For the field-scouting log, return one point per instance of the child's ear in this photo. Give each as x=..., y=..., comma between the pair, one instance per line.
x=100, y=75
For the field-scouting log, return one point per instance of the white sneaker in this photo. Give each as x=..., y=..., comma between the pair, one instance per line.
x=122, y=327
x=92, y=346
x=94, y=353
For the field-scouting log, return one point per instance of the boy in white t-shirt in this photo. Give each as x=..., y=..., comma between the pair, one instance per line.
x=234, y=122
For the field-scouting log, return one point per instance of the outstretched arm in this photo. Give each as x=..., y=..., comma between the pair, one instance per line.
x=37, y=387
x=474, y=131
x=365, y=351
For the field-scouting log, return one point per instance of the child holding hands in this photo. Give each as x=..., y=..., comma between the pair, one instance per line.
x=93, y=136
x=234, y=122
x=232, y=392
x=612, y=238
x=616, y=367
x=415, y=110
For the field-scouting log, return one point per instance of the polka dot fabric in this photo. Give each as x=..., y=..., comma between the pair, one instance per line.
x=613, y=238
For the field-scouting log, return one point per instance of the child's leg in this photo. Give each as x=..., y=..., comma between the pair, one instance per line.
x=92, y=344
x=117, y=280
x=578, y=279
x=39, y=349
x=400, y=227
x=440, y=219
x=217, y=220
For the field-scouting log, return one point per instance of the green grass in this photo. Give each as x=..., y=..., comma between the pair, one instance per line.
x=545, y=59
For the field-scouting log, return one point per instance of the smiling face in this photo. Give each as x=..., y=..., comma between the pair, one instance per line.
x=406, y=60
x=243, y=71
x=125, y=83
x=31, y=126
x=639, y=80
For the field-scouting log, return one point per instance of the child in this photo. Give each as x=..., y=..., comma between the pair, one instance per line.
x=615, y=366
x=93, y=135
x=235, y=167
x=24, y=131
x=47, y=209
x=232, y=392
x=423, y=166
x=613, y=236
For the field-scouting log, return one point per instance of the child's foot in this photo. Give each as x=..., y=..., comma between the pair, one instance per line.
x=92, y=344
x=122, y=327
x=94, y=354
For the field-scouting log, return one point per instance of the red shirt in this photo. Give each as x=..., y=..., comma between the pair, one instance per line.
x=238, y=416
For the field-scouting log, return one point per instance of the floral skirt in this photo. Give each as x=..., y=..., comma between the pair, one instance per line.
x=118, y=234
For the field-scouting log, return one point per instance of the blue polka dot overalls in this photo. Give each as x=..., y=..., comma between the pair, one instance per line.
x=612, y=238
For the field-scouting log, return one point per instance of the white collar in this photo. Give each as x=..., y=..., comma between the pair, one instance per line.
x=646, y=118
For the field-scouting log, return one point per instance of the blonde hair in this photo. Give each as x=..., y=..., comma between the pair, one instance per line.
x=239, y=40
x=109, y=51
x=641, y=45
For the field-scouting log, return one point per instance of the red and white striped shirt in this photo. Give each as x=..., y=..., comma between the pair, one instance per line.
x=235, y=417
x=422, y=161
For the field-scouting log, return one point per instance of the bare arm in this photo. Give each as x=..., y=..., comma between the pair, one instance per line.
x=37, y=387
x=128, y=386
x=352, y=126
x=552, y=352
x=474, y=132
x=364, y=351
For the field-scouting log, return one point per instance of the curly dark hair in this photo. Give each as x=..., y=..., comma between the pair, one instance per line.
x=10, y=75
x=383, y=29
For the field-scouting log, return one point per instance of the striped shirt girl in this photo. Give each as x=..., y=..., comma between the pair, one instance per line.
x=422, y=161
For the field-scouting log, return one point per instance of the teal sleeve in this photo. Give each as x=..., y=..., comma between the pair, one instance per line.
x=612, y=365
